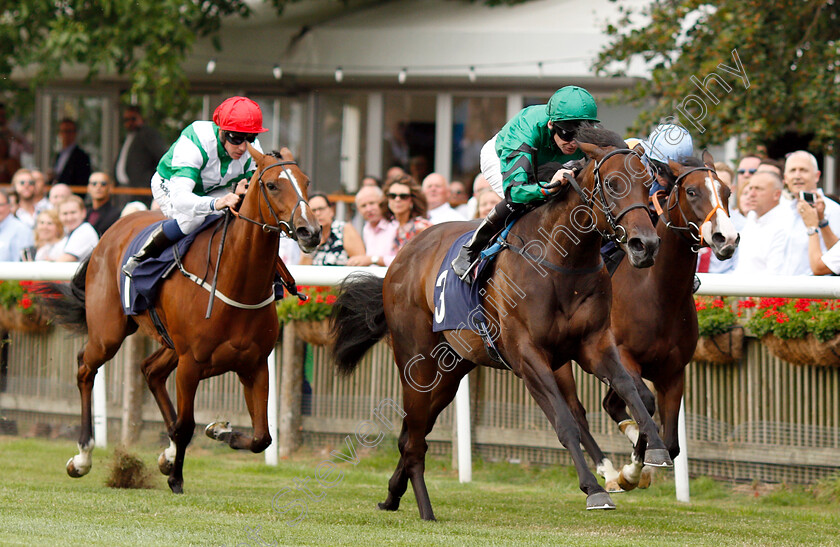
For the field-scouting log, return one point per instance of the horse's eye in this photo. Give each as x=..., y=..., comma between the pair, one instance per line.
x=270, y=186
x=691, y=192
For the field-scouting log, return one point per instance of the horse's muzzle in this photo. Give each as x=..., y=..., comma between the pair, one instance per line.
x=641, y=250
x=724, y=247
x=308, y=238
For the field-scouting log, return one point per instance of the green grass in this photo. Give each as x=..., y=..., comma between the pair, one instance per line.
x=229, y=492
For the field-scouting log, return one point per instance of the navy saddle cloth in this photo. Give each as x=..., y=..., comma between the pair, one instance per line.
x=140, y=293
x=457, y=305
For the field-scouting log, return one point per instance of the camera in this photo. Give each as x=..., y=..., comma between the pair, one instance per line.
x=808, y=197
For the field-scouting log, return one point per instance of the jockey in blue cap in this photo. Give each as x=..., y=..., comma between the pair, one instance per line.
x=666, y=142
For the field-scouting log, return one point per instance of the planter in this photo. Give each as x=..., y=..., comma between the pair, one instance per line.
x=805, y=351
x=15, y=320
x=314, y=332
x=722, y=349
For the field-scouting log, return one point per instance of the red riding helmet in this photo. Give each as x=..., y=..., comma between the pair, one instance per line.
x=239, y=114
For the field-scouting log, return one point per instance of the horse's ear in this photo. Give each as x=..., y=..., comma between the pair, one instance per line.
x=708, y=160
x=639, y=150
x=593, y=151
x=676, y=168
x=286, y=154
x=255, y=153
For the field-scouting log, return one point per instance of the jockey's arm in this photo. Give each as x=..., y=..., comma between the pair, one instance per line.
x=185, y=201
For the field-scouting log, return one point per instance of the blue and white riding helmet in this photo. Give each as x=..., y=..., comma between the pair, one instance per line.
x=668, y=141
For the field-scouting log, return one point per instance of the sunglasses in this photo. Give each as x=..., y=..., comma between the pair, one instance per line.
x=744, y=171
x=98, y=183
x=236, y=139
x=399, y=196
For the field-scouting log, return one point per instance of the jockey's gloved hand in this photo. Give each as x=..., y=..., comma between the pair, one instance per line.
x=228, y=200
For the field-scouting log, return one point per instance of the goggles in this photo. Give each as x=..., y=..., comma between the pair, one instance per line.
x=236, y=138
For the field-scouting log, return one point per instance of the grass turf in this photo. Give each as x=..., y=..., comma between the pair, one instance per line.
x=229, y=497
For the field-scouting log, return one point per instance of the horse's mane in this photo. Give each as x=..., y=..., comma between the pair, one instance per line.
x=599, y=137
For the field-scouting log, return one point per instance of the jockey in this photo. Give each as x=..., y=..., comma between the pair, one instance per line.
x=536, y=135
x=195, y=178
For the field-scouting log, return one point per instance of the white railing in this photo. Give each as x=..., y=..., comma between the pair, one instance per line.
x=711, y=284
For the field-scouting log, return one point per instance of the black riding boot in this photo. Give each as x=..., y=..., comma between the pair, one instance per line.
x=489, y=227
x=156, y=244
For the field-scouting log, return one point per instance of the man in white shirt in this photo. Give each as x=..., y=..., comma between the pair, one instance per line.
x=764, y=234
x=436, y=191
x=14, y=234
x=802, y=175
x=377, y=233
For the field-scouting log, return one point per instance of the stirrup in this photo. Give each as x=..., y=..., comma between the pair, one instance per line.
x=129, y=266
x=467, y=277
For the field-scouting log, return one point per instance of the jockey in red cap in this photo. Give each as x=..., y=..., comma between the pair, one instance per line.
x=198, y=175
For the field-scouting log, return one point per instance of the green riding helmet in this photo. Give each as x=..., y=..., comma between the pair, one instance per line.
x=572, y=103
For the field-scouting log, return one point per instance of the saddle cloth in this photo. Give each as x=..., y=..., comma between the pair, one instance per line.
x=457, y=305
x=140, y=293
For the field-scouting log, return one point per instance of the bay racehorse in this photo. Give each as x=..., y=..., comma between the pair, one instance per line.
x=653, y=313
x=238, y=336
x=549, y=301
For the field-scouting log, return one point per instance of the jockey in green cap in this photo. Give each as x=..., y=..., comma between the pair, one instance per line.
x=536, y=135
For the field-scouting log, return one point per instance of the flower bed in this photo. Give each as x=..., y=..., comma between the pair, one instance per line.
x=311, y=318
x=19, y=309
x=721, y=339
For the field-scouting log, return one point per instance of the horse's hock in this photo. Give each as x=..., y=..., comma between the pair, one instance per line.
x=742, y=418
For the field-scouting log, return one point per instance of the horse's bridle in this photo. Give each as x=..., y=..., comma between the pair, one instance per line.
x=612, y=220
x=690, y=231
x=280, y=225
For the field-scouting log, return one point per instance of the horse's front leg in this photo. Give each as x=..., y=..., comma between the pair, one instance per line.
x=186, y=382
x=542, y=384
x=599, y=356
x=255, y=387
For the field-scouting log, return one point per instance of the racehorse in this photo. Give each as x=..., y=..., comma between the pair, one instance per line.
x=546, y=309
x=237, y=337
x=653, y=313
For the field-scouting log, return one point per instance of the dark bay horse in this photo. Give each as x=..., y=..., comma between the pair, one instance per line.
x=239, y=334
x=653, y=314
x=549, y=301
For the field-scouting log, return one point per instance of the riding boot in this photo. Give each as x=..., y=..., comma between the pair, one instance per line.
x=489, y=227
x=157, y=242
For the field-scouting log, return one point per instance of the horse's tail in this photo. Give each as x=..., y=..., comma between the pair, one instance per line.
x=65, y=302
x=358, y=320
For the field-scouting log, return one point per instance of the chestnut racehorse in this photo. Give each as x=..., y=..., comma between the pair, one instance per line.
x=549, y=300
x=239, y=334
x=653, y=314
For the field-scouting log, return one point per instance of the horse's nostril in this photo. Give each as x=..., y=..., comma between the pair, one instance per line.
x=303, y=233
x=636, y=245
x=718, y=238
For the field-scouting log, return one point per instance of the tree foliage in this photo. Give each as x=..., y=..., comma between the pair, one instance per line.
x=790, y=50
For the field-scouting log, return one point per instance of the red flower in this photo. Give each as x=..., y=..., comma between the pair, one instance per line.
x=782, y=318
x=319, y=299
x=25, y=302
x=331, y=299
x=748, y=303
x=302, y=302
x=717, y=303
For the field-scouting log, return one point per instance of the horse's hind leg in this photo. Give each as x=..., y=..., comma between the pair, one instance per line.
x=156, y=368
x=92, y=356
x=603, y=465
x=440, y=396
x=256, y=397
x=541, y=383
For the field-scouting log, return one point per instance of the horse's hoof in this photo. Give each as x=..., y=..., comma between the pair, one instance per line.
x=658, y=457
x=647, y=477
x=219, y=431
x=164, y=464
x=599, y=500
x=625, y=484
x=612, y=487
x=176, y=487
x=385, y=506
x=75, y=472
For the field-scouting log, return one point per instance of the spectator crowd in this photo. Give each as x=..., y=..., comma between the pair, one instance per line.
x=787, y=224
